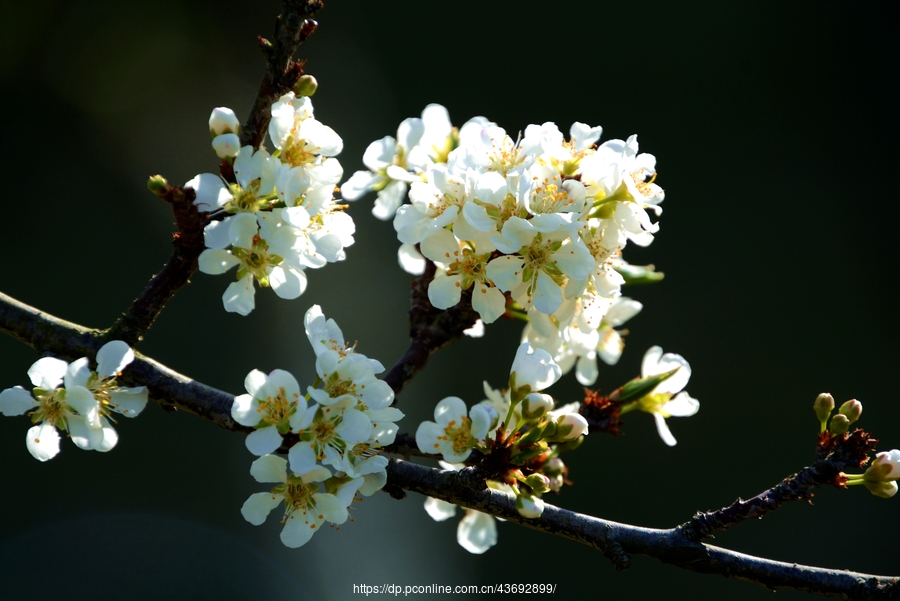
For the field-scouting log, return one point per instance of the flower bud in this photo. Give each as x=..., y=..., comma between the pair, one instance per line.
x=553, y=466
x=157, y=184
x=570, y=426
x=823, y=406
x=885, y=467
x=556, y=483
x=839, y=424
x=539, y=483
x=535, y=405
x=223, y=121
x=535, y=370
x=852, y=409
x=885, y=490
x=529, y=506
x=306, y=86
x=226, y=145
x=640, y=387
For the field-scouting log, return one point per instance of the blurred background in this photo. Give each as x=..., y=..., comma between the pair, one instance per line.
x=776, y=139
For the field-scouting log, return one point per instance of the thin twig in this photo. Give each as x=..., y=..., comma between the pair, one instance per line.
x=188, y=244
x=617, y=540
x=430, y=329
x=292, y=28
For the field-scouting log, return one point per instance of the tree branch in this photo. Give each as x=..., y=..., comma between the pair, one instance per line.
x=46, y=333
x=430, y=329
x=292, y=28
x=188, y=242
x=617, y=540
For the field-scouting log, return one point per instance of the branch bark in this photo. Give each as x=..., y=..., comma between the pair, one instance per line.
x=48, y=334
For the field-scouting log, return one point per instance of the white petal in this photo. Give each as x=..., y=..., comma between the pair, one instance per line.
x=216, y=262
x=258, y=506
x=489, y=302
x=113, y=357
x=663, y=430
x=263, y=441
x=439, y=510
x=586, y=371
x=269, y=468
x=129, y=401
x=16, y=401
x=287, y=282
x=242, y=228
x=302, y=457
x=410, y=259
x=477, y=532
x=110, y=437
x=47, y=372
x=299, y=529
x=682, y=405
x=426, y=437
x=78, y=373
x=210, y=192
x=331, y=508
x=83, y=435
x=238, y=297
x=42, y=441
x=444, y=291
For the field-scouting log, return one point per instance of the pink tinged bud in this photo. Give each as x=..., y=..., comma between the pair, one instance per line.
x=226, y=145
x=539, y=483
x=570, y=426
x=852, y=409
x=223, y=121
x=886, y=467
x=529, y=506
x=823, y=406
x=553, y=466
x=839, y=424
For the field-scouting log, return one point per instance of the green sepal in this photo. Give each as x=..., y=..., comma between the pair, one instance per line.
x=640, y=387
x=640, y=274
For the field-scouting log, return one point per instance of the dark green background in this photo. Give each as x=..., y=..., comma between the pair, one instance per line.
x=775, y=133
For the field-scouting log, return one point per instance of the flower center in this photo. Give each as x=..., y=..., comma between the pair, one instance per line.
x=459, y=435
x=256, y=260
x=279, y=407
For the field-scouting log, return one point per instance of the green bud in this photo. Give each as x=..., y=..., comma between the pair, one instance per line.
x=639, y=274
x=157, y=184
x=306, y=86
x=839, y=424
x=553, y=467
x=823, y=406
x=640, y=387
x=539, y=483
x=852, y=409
x=535, y=405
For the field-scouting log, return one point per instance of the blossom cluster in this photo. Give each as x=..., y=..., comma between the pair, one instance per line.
x=75, y=399
x=335, y=431
x=541, y=218
x=278, y=216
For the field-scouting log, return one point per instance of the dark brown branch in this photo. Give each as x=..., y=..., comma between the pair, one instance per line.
x=292, y=28
x=430, y=329
x=188, y=244
x=834, y=455
x=46, y=333
x=617, y=540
